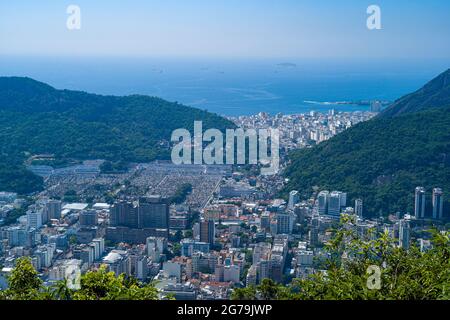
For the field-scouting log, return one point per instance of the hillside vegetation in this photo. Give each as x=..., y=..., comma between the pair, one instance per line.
x=38, y=119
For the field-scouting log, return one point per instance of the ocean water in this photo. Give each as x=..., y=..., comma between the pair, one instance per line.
x=233, y=87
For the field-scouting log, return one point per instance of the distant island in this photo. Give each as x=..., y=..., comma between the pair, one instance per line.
x=287, y=65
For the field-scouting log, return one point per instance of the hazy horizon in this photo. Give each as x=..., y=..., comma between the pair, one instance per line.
x=234, y=86
x=227, y=29
x=225, y=56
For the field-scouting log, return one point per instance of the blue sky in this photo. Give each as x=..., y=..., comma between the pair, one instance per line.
x=227, y=28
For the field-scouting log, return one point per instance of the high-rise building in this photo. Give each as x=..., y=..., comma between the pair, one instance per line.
x=419, y=205
x=273, y=227
x=100, y=242
x=189, y=246
x=283, y=223
x=18, y=236
x=265, y=221
x=219, y=272
x=404, y=234
x=88, y=218
x=323, y=199
x=34, y=219
x=124, y=213
x=334, y=205
x=359, y=208
x=314, y=232
x=264, y=270
x=204, y=262
x=278, y=257
x=231, y=273
x=153, y=212
x=438, y=203
x=141, y=268
x=260, y=252
x=292, y=220
x=293, y=199
x=251, y=279
x=156, y=246
x=133, y=224
x=52, y=209
x=172, y=269
x=343, y=199
x=207, y=231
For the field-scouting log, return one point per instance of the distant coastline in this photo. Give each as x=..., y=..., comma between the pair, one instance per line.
x=353, y=103
x=243, y=87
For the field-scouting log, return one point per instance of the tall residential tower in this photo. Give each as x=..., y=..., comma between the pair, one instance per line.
x=419, y=204
x=438, y=203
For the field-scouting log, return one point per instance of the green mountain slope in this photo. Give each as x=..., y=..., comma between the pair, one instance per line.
x=36, y=118
x=434, y=94
x=384, y=159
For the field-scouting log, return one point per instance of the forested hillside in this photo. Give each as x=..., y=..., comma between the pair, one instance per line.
x=36, y=119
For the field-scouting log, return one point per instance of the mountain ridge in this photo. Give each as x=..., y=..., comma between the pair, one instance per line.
x=435, y=93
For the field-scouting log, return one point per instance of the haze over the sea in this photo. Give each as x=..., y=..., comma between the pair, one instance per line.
x=231, y=57
x=235, y=86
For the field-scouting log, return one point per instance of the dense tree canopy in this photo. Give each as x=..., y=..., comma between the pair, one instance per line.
x=24, y=284
x=38, y=119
